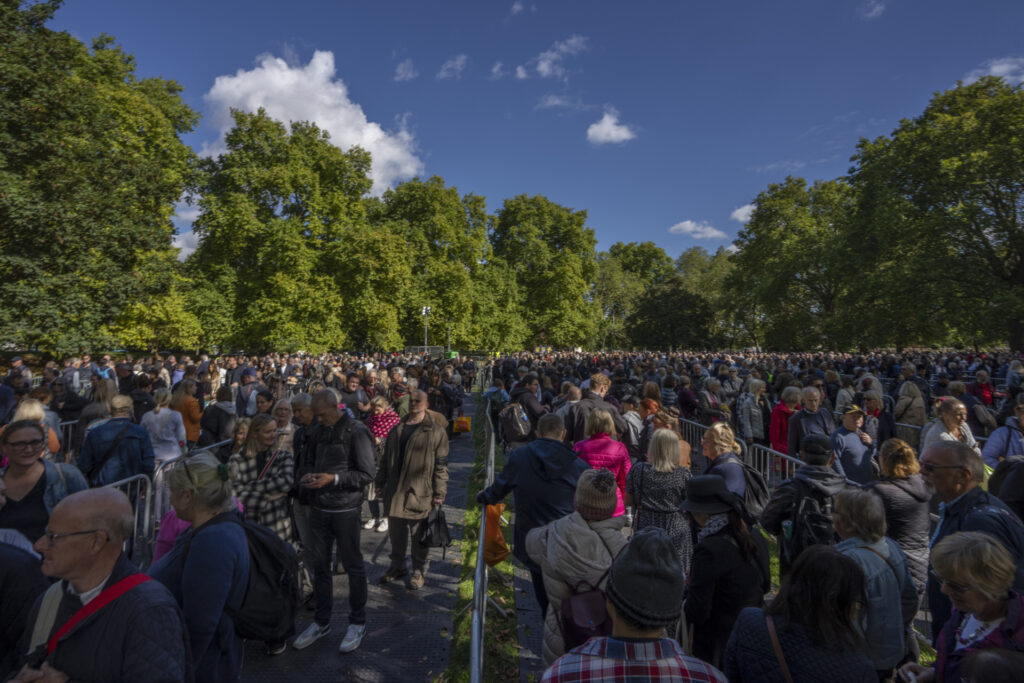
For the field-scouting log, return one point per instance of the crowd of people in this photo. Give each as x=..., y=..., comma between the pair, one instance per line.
x=647, y=559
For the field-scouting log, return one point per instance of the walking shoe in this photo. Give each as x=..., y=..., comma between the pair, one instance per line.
x=371, y=523
x=313, y=633
x=382, y=526
x=276, y=647
x=339, y=568
x=416, y=581
x=353, y=636
x=393, y=574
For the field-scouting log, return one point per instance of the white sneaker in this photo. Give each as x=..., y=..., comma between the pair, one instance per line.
x=382, y=527
x=313, y=633
x=370, y=523
x=353, y=637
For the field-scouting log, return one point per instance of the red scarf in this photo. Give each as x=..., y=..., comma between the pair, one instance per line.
x=381, y=425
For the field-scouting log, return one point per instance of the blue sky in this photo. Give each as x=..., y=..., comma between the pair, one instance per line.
x=662, y=119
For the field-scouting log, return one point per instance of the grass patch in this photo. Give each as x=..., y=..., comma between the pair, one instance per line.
x=773, y=558
x=501, y=643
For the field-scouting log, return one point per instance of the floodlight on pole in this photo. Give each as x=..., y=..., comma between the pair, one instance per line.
x=426, y=316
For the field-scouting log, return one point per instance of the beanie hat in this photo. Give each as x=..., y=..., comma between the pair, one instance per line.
x=645, y=584
x=595, y=495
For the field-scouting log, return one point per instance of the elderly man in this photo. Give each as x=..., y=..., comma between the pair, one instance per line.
x=412, y=477
x=955, y=471
x=855, y=447
x=104, y=621
x=116, y=449
x=809, y=420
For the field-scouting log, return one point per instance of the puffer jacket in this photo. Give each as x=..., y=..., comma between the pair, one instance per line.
x=570, y=550
x=217, y=423
x=749, y=416
x=907, y=521
x=345, y=449
x=409, y=483
x=910, y=407
x=601, y=451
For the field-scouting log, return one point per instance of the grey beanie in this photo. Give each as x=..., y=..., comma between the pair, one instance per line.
x=645, y=584
x=596, y=495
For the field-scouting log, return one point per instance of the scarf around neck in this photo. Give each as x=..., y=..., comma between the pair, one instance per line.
x=716, y=523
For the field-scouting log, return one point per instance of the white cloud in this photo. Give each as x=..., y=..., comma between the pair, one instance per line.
x=312, y=93
x=1010, y=68
x=608, y=129
x=553, y=101
x=497, y=71
x=872, y=9
x=785, y=166
x=743, y=213
x=405, y=71
x=521, y=72
x=454, y=67
x=516, y=8
x=187, y=242
x=697, y=230
x=550, y=62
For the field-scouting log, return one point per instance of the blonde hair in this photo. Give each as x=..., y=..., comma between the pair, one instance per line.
x=30, y=409
x=897, y=459
x=723, y=438
x=599, y=380
x=663, y=452
x=379, y=401
x=755, y=386
x=161, y=399
x=206, y=477
x=599, y=421
x=976, y=560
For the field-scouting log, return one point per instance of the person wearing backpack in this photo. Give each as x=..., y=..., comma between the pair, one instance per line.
x=1006, y=440
x=799, y=512
x=525, y=394
x=207, y=570
x=575, y=554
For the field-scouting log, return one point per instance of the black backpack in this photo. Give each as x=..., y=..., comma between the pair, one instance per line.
x=1008, y=463
x=515, y=423
x=272, y=595
x=812, y=524
x=756, y=497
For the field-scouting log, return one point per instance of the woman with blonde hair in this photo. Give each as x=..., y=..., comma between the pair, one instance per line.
x=950, y=425
x=601, y=451
x=905, y=496
x=657, y=488
x=31, y=409
x=167, y=432
x=723, y=453
x=262, y=476
x=285, y=428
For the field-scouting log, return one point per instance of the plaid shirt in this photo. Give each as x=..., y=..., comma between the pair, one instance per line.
x=610, y=659
x=265, y=500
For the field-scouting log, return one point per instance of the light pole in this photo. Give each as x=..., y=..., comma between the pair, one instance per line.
x=426, y=316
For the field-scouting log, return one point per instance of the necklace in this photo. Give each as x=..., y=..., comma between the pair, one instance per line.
x=983, y=626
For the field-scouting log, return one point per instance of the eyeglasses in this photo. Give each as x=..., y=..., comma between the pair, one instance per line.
x=22, y=445
x=957, y=588
x=929, y=467
x=51, y=537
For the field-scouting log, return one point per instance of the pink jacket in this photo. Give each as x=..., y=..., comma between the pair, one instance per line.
x=602, y=451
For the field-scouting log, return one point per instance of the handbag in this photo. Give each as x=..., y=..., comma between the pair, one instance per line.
x=463, y=424
x=495, y=546
x=434, y=533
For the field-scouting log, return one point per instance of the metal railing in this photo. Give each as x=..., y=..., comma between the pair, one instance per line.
x=139, y=490
x=479, y=604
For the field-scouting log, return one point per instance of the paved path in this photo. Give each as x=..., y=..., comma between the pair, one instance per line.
x=408, y=633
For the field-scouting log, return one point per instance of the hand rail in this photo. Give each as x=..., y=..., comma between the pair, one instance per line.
x=479, y=604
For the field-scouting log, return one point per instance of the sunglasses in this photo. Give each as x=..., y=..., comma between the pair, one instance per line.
x=957, y=588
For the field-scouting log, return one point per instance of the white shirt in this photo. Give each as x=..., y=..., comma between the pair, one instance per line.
x=88, y=595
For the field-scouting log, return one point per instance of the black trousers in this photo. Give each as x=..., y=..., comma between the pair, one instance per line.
x=343, y=527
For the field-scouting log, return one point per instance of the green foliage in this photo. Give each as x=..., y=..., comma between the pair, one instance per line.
x=91, y=163
x=645, y=261
x=551, y=251
x=668, y=315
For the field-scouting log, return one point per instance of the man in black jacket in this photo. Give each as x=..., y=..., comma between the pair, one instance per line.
x=139, y=636
x=542, y=477
x=338, y=465
x=593, y=399
x=955, y=471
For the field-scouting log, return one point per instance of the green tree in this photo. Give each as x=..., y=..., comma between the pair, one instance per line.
x=91, y=163
x=551, y=251
x=943, y=200
x=669, y=315
x=279, y=208
x=617, y=292
x=788, y=262
x=645, y=261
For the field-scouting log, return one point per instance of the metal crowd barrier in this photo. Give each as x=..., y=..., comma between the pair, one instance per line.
x=479, y=604
x=67, y=433
x=139, y=490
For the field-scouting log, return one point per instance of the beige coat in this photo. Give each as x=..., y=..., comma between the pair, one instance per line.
x=422, y=475
x=909, y=410
x=570, y=550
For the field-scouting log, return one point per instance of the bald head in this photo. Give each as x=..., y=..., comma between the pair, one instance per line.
x=418, y=402
x=100, y=508
x=85, y=535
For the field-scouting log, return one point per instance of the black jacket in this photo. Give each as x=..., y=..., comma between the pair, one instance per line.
x=138, y=637
x=21, y=582
x=721, y=584
x=217, y=423
x=803, y=423
x=783, y=503
x=346, y=449
x=142, y=403
x=977, y=510
x=576, y=420
x=533, y=407
x=542, y=477
x=907, y=520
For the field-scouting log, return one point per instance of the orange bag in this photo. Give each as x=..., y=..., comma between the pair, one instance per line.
x=463, y=423
x=495, y=547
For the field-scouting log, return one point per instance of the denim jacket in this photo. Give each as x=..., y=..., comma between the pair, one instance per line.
x=61, y=481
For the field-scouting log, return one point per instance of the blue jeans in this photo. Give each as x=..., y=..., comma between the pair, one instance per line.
x=343, y=527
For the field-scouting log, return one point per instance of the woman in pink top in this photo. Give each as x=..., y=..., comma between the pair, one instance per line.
x=601, y=451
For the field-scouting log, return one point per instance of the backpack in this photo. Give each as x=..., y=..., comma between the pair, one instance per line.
x=995, y=481
x=515, y=423
x=584, y=614
x=272, y=593
x=757, y=495
x=812, y=525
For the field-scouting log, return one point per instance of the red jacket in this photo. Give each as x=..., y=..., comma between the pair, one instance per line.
x=778, y=429
x=602, y=451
